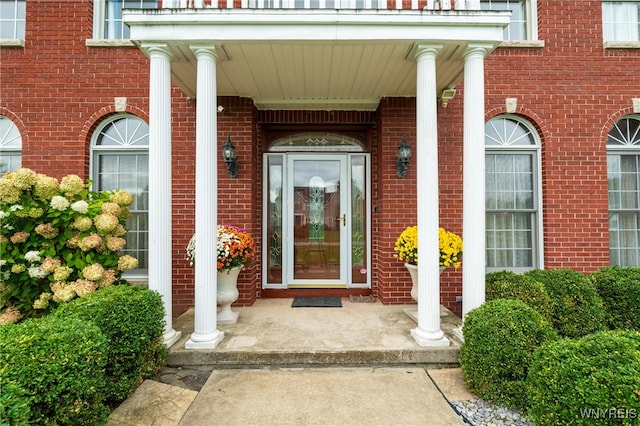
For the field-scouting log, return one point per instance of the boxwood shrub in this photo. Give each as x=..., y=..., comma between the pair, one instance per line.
x=591, y=380
x=576, y=307
x=52, y=372
x=509, y=285
x=132, y=319
x=500, y=337
x=619, y=288
x=14, y=405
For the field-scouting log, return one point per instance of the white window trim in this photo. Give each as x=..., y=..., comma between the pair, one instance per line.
x=134, y=277
x=538, y=263
x=13, y=42
x=610, y=44
x=531, y=13
x=98, y=30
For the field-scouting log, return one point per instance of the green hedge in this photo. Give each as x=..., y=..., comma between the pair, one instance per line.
x=52, y=372
x=594, y=380
x=132, y=319
x=509, y=285
x=576, y=307
x=500, y=337
x=619, y=288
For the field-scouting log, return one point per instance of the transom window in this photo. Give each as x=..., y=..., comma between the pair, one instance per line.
x=623, y=167
x=120, y=160
x=523, y=24
x=10, y=146
x=107, y=20
x=620, y=20
x=316, y=141
x=12, y=19
x=512, y=201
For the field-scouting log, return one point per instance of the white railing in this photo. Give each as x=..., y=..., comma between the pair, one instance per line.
x=324, y=4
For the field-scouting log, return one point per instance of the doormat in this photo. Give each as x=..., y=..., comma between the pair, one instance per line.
x=316, y=302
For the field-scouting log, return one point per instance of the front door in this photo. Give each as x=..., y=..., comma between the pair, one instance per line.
x=316, y=217
x=318, y=206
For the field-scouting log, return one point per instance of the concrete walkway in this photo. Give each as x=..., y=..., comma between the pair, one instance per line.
x=319, y=396
x=355, y=365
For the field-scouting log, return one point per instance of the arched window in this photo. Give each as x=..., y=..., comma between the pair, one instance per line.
x=120, y=160
x=10, y=146
x=316, y=141
x=512, y=201
x=623, y=170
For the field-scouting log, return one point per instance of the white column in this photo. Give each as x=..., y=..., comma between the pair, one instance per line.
x=206, y=334
x=473, y=208
x=428, y=332
x=160, y=181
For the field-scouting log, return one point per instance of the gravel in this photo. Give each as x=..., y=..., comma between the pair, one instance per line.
x=478, y=412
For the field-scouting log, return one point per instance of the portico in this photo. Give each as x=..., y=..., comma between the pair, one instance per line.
x=314, y=59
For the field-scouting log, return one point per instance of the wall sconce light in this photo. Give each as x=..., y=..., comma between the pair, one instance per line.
x=229, y=157
x=220, y=109
x=404, y=155
x=446, y=96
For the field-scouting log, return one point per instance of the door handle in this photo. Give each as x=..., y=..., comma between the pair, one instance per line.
x=344, y=219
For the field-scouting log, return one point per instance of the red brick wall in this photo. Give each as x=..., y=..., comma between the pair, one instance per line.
x=57, y=90
x=572, y=90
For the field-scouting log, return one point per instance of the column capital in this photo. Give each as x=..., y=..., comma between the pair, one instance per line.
x=431, y=49
x=478, y=49
x=204, y=49
x=153, y=49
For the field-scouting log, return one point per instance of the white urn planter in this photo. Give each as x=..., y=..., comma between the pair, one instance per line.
x=413, y=271
x=226, y=294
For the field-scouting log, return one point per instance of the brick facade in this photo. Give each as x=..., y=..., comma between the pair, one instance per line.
x=57, y=90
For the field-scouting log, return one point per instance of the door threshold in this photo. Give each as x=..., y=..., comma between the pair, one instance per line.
x=273, y=293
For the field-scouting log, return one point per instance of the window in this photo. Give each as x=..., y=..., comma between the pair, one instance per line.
x=12, y=19
x=623, y=167
x=108, y=23
x=10, y=146
x=524, y=25
x=512, y=200
x=620, y=20
x=120, y=160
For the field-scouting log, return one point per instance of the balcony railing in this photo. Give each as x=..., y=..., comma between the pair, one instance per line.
x=324, y=4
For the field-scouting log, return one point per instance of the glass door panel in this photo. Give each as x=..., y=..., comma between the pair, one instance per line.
x=319, y=220
x=359, y=226
x=274, y=222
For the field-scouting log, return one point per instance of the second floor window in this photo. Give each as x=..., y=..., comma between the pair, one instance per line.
x=12, y=19
x=620, y=20
x=523, y=12
x=108, y=19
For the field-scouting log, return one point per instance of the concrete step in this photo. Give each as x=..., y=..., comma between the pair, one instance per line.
x=272, y=333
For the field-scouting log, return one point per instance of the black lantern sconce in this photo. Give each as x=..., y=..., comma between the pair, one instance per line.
x=229, y=157
x=404, y=155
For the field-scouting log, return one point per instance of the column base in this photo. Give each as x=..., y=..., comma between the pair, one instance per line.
x=424, y=338
x=457, y=332
x=227, y=317
x=206, y=341
x=413, y=313
x=170, y=337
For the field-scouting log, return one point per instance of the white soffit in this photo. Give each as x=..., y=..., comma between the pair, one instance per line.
x=312, y=58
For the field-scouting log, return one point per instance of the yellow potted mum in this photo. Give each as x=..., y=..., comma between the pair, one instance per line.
x=406, y=249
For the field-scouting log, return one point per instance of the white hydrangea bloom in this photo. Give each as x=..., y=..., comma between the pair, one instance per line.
x=80, y=206
x=32, y=256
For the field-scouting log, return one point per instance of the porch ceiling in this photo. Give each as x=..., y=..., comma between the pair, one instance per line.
x=315, y=59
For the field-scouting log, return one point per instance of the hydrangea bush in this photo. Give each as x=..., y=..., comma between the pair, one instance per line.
x=58, y=241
